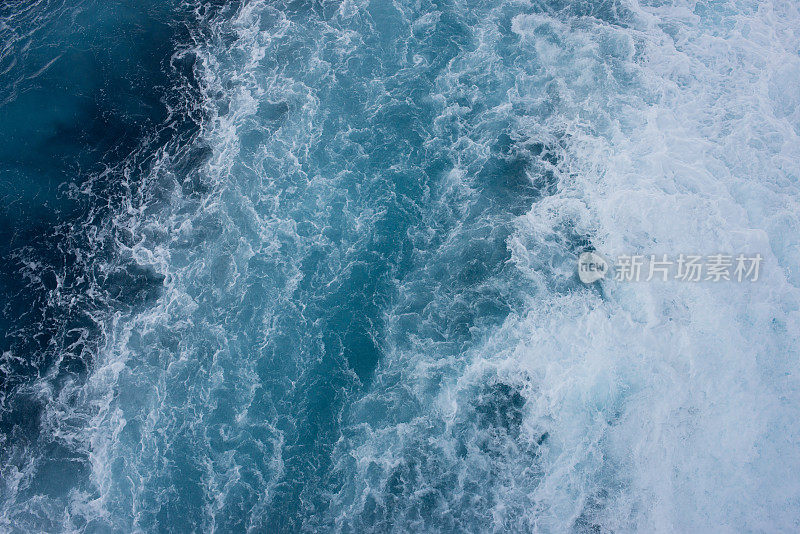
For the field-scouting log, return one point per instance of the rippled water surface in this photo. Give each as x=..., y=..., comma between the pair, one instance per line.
x=310, y=266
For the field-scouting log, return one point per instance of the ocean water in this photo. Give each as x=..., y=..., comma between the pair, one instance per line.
x=310, y=266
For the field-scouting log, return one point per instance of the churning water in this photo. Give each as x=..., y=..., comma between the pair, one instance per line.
x=283, y=266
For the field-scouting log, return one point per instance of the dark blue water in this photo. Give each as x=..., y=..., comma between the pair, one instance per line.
x=299, y=266
x=89, y=94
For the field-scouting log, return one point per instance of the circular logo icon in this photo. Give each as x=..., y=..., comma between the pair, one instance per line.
x=591, y=267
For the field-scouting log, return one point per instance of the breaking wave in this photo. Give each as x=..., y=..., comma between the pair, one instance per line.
x=328, y=282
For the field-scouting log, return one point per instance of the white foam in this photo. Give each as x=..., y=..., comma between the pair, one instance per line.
x=668, y=407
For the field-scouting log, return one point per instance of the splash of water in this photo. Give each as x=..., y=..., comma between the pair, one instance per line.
x=349, y=298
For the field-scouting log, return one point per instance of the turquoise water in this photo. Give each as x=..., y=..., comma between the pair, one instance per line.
x=310, y=266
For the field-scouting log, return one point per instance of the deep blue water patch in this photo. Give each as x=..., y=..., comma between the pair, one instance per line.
x=89, y=93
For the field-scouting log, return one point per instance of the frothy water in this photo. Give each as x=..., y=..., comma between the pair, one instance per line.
x=330, y=283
